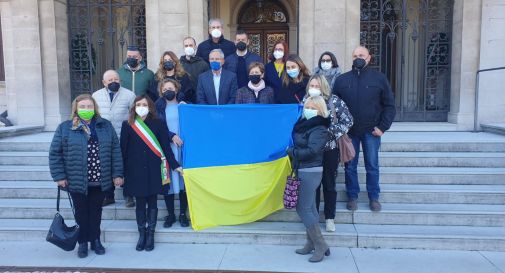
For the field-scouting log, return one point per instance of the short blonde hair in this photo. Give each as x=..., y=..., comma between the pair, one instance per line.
x=320, y=104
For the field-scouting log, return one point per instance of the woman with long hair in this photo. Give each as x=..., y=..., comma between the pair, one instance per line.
x=294, y=81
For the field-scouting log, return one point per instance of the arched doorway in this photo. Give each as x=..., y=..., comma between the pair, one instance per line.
x=266, y=22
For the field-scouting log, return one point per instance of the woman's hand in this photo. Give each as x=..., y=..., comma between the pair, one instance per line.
x=179, y=170
x=118, y=181
x=177, y=140
x=62, y=183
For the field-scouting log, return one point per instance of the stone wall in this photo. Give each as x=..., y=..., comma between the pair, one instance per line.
x=492, y=54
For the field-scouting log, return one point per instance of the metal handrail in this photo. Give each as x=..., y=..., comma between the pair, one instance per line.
x=476, y=110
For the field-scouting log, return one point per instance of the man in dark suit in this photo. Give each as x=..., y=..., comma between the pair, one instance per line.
x=216, y=86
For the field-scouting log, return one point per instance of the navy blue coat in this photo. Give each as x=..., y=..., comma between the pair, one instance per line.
x=206, y=94
x=161, y=105
x=231, y=62
x=142, y=166
x=205, y=47
x=68, y=155
x=369, y=98
x=271, y=78
x=293, y=92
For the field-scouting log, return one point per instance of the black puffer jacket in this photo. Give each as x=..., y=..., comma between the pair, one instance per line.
x=309, y=137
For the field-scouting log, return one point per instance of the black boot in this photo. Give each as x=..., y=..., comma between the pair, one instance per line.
x=152, y=215
x=141, y=226
x=170, y=219
x=183, y=219
x=97, y=246
x=82, y=251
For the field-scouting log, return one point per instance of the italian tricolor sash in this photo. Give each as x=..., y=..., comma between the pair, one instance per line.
x=152, y=142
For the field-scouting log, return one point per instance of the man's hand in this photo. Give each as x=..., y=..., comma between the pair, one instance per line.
x=118, y=181
x=177, y=140
x=377, y=132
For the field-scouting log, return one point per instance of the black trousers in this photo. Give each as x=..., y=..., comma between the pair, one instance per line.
x=330, y=165
x=88, y=213
x=148, y=201
x=169, y=202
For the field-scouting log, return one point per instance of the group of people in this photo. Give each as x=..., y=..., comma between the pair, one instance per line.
x=127, y=133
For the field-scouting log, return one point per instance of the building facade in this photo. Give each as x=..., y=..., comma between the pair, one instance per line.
x=430, y=50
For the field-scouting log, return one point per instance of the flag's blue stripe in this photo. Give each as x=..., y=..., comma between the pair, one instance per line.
x=235, y=134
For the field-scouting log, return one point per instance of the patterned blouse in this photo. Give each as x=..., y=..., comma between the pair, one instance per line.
x=340, y=124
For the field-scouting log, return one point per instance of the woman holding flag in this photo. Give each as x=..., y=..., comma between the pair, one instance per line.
x=147, y=159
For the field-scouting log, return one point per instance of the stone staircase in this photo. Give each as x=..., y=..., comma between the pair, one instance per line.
x=440, y=190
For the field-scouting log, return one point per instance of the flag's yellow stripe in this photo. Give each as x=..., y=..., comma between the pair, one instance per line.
x=237, y=194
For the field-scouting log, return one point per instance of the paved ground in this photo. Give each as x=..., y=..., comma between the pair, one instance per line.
x=223, y=257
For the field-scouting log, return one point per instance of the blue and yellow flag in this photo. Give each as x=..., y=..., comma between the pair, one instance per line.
x=235, y=162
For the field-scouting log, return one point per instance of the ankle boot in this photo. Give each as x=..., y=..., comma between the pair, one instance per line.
x=152, y=216
x=141, y=226
x=308, y=248
x=170, y=218
x=82, y=251
x=97, y=246
x=321, y=249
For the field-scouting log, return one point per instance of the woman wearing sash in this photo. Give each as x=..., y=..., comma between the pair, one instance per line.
x=167, y=108
x=147, y=159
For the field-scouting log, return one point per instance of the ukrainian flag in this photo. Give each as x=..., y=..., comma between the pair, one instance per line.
x=235, y=162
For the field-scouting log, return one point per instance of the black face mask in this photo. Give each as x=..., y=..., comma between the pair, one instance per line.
x=169, y=95
x=168, y=65
x=255, y=79
x=241, y=46
x=113, y=86
x=358, y=63
x=132, y=62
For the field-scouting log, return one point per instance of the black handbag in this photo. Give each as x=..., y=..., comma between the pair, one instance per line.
x=60, y=234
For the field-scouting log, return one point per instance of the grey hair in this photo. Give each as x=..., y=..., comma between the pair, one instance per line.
x=188, y=38
x=109, y=72
x=218, y=50
x=216, y=20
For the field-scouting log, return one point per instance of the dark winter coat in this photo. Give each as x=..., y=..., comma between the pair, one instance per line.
x=292, y=93
x=272, y=78
x=186, y=89
x=142, y=166
x=68, y=155
x=231, y=64
x=205, y=47
x=309, y=138
x=161, y=105
x=194, y=67
x=369, y=98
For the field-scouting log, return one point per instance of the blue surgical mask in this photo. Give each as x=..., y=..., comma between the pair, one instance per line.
x=215, y=65
x=309, y=113
x=293, y=73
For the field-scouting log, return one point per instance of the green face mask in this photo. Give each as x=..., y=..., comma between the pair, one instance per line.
x=85, y=114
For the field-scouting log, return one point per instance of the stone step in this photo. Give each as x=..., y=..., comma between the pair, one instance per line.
x=392, y=213
x=279, y=233
x=387, y=159
x=390, y=193
x=390, y=142
x=389, y=175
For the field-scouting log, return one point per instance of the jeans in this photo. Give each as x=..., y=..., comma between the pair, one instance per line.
x=88, y=213
x=306, y=206
x=371, y=145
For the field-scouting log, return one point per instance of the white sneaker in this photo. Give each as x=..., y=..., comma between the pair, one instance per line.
x=330, y=225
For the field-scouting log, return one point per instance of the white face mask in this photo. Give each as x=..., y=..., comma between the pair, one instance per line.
x=189, y=51
x=215, y=33
x=142, y=111
x=326, y=65
x=309, y=113
x=278, y=54
x=313, y=92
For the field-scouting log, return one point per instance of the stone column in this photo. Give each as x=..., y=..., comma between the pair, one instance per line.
x=23, y=61
x=327, y=25
x=465, y=61
x=55, y=65
x=492, y=43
